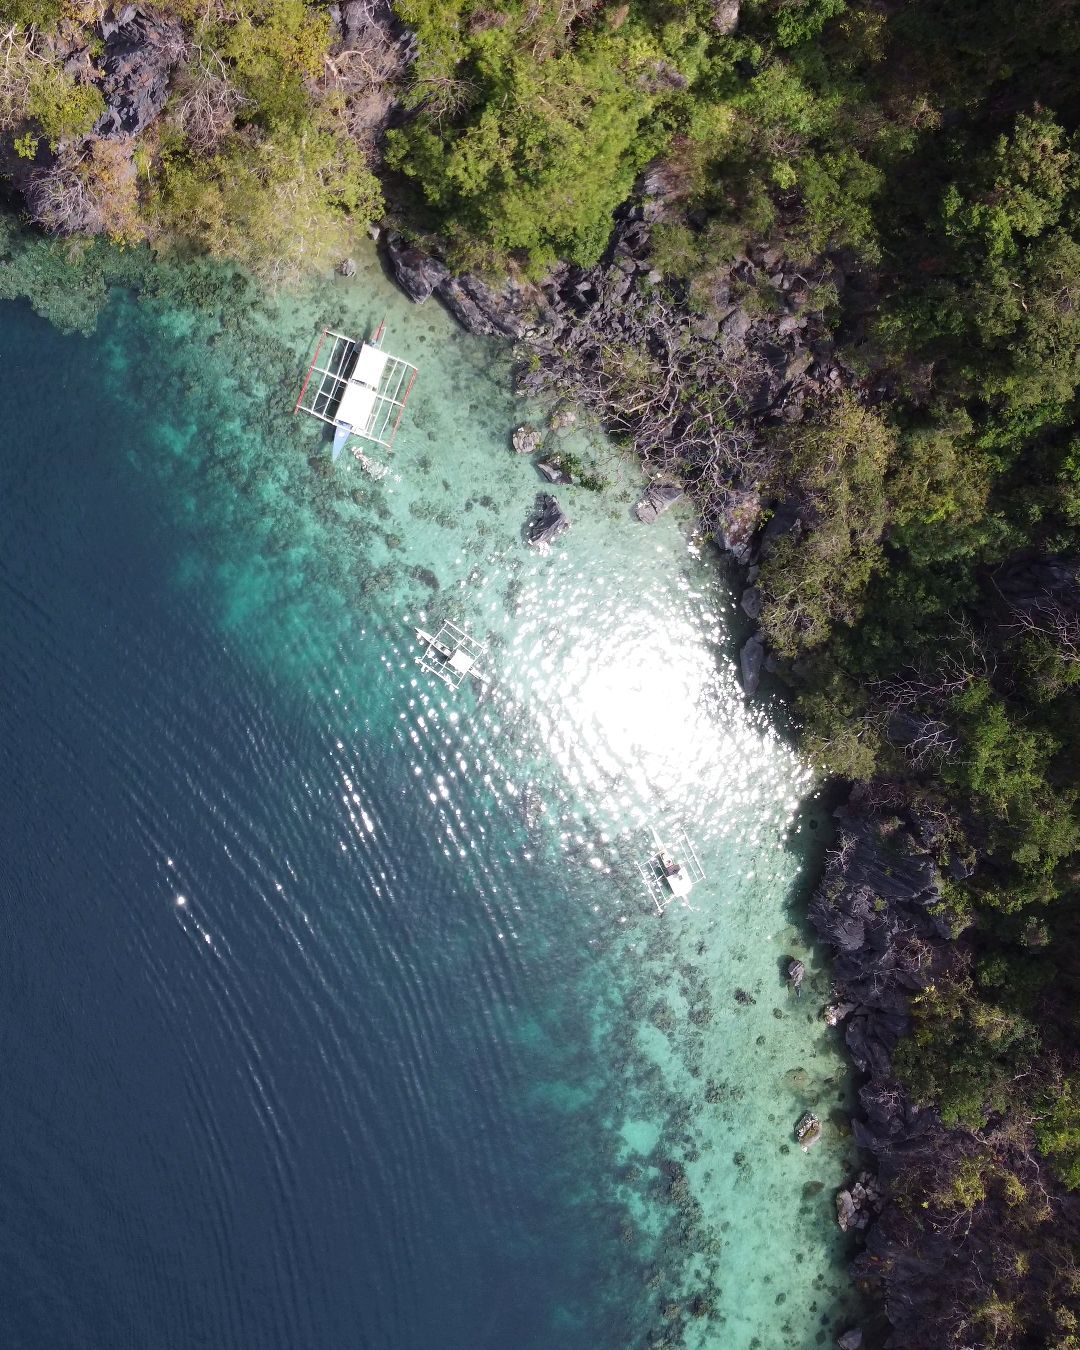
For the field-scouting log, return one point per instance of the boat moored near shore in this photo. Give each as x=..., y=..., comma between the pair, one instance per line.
x=362, y=390
x=450, y=654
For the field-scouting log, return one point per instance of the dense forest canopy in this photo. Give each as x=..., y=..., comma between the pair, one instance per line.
x=920, y=162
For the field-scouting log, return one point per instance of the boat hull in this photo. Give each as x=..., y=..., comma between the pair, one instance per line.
x=342, y=432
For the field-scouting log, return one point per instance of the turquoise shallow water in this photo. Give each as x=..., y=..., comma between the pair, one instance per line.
x=334, y=1010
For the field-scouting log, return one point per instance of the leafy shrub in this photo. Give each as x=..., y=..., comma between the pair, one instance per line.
x=60, y=107
x=274, y=47
x=517, y=155
x=1058, y=1133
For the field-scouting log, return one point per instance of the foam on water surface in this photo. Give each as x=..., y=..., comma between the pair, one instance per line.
x=415, y=1063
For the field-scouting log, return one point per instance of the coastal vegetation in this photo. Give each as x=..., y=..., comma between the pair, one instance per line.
x=916, y=170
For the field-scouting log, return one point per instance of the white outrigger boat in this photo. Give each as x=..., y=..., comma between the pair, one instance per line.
x=669, y=877
x=450, y=654
x=362, y=390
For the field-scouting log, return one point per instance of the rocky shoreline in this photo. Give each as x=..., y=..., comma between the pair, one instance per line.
x=692, y=390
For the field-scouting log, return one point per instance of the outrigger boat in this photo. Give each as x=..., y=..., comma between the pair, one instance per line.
x=362, y=390
x=450, y=654
x=669, y=878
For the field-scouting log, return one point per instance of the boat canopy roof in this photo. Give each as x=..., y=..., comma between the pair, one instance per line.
x=370, y=364
x=355, y=406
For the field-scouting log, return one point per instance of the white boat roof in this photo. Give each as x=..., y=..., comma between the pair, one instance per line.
x=357, y=404
x=355, y=407
x=678, y=883
x=370, y=364
x=462, y=661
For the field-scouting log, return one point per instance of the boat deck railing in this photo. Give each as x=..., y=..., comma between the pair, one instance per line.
x=327, y=384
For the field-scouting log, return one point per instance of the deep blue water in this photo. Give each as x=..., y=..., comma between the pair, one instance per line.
x=288, y=1112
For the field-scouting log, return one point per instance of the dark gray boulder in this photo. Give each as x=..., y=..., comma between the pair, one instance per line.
x=878, y=908
x=141, y=51
x=549, y=521
x=734, y=328
x=658, y=497
x=416, y=272
x=478, y=308
x=892, y=1125
x=751, y=659
x=553, y=473
x=1026, y=580
x=751, y=602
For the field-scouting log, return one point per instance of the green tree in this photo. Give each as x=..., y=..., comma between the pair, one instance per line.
x=1018, y=190
x=965, y=1052
x=1058, y=1132
x=817, y=578
x=1008, y=768
x=275, y=47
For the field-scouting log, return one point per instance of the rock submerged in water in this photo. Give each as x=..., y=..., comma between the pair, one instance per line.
x=751, y=659
x=548, y=522
x=655, y=501
x=796, y=973
x=526, y=440
x=554, y=473
x=425, y=576
x=808, y=1131
x=532, y=806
